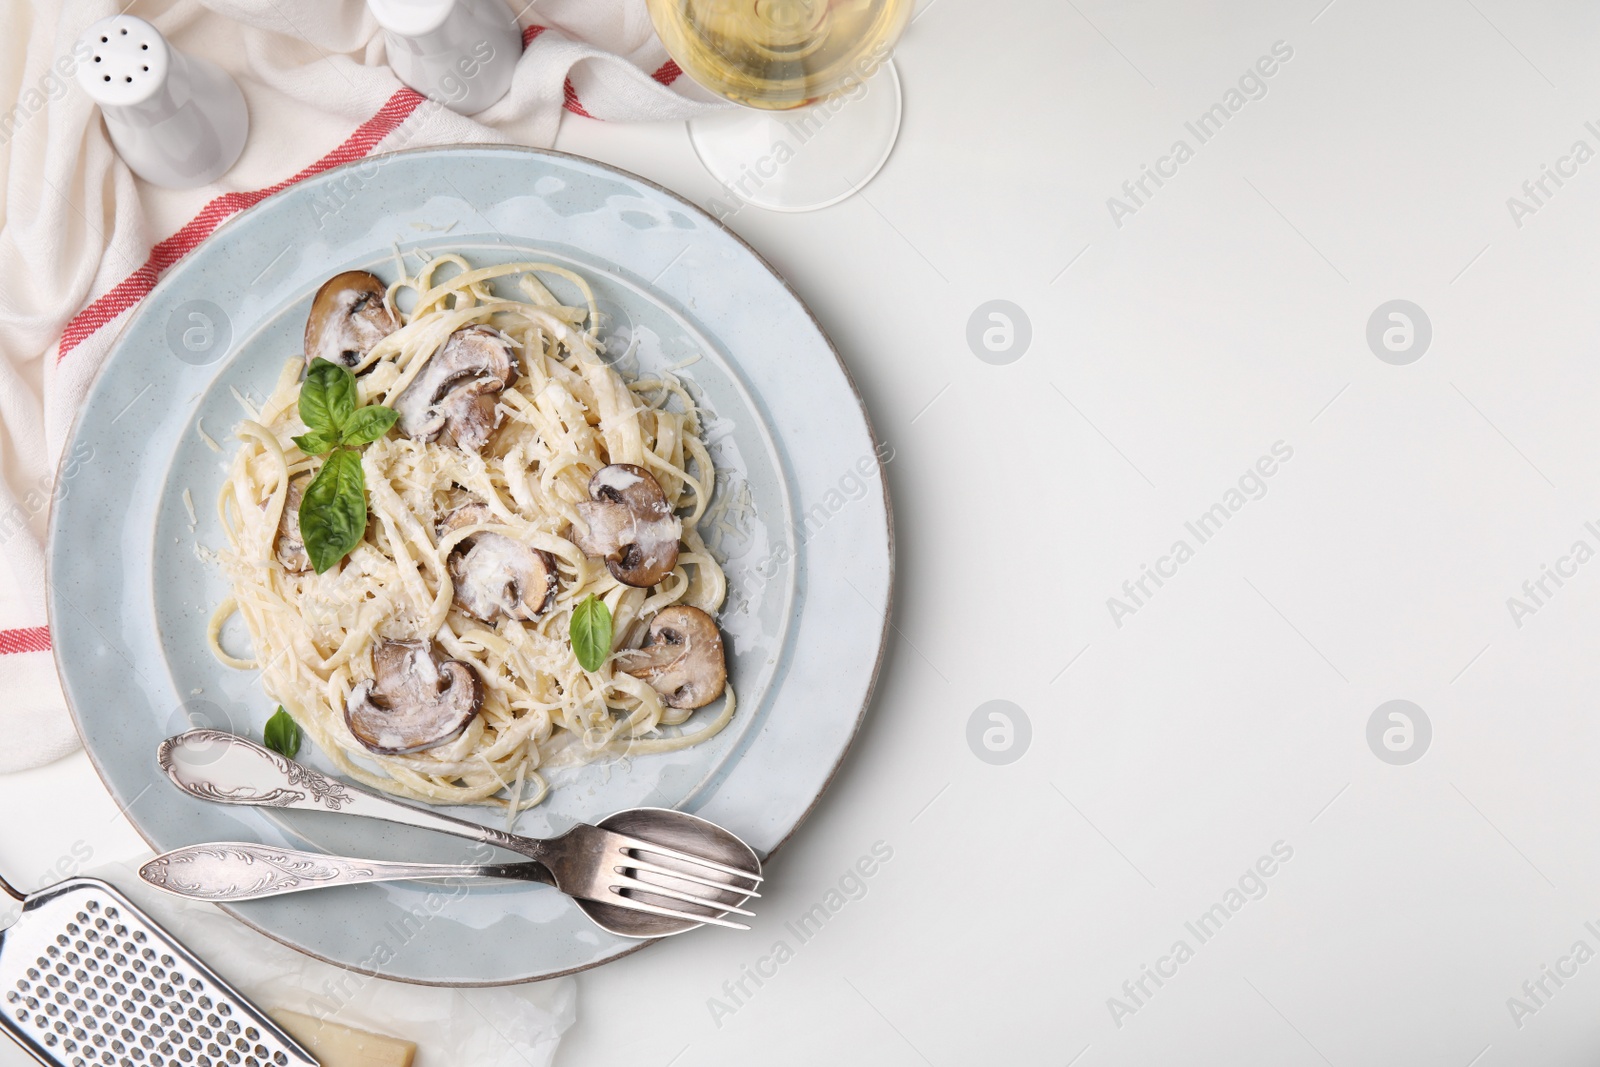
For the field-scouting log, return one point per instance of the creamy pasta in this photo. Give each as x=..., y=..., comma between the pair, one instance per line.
x=565, y=416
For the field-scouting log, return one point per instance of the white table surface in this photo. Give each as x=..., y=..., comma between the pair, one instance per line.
x=1228, y=714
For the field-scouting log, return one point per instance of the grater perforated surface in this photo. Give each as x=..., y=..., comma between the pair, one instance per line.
x=90, y=979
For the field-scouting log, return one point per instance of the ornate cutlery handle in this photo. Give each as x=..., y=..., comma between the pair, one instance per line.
x=229, y=769
x=233, y=870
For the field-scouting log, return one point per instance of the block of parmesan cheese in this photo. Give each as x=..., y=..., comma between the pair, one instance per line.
x=340, y=1046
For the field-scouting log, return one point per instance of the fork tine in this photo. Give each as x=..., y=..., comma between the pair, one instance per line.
x=672, y=894
x=661, y=850
x=645, y=865
x=638, y=905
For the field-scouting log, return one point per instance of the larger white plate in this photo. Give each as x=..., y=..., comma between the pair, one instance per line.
x=808, y=548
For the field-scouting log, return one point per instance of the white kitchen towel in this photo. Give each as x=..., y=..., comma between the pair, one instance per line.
x=82, y=241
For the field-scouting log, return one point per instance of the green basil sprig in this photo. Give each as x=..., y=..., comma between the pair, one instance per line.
x=591, y=632
x=282, y=734
x=333, y=510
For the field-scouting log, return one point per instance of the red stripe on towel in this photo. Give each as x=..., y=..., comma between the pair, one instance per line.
x=32, y=639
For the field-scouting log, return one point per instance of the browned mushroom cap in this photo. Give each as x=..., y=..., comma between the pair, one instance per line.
x=630, y=525
x=456, y=391
x=682, y=659
x=348, y=317
x=496, y=575
x=290, y=548
x=415, y=703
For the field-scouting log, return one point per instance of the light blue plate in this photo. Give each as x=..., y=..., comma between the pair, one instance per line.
x=808, y=543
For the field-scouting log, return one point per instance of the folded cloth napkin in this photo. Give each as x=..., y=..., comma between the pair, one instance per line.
x=83, y=241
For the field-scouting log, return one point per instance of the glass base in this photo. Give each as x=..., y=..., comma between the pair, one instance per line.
x=804, y=159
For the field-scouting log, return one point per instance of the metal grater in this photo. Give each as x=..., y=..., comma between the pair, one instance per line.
x=90, y=979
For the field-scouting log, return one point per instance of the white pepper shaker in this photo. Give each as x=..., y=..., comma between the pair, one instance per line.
x=459, y=53
x=177, y=120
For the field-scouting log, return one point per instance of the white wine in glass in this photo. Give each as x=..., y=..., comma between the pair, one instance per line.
x=823, y=116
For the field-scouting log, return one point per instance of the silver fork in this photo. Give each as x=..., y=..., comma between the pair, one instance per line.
x=644, y=872
x=230, y=871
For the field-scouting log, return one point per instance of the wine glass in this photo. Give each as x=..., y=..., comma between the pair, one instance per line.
x=821, y=99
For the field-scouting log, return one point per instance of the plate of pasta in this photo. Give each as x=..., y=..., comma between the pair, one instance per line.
x=492, y=479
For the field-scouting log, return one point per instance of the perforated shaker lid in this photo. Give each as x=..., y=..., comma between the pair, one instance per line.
x=127, y=62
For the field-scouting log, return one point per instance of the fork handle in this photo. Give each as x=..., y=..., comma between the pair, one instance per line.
x=232, y=871
x=229, y=769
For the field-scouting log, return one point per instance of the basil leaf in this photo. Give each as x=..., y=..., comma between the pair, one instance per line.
x=367, y=425
x=315, y=443
x=333, y=511
x=328, y=396
x=591, y=632
x=282, y=734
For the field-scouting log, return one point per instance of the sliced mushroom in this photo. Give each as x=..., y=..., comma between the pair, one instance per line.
x=348, y=317
x=496, y=575
x=682, y=658
x=630, y=525
x=456, y=392
x=290, y=547
x=415, y=702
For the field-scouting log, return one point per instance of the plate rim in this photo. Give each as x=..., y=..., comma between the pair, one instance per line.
x=683, y=201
